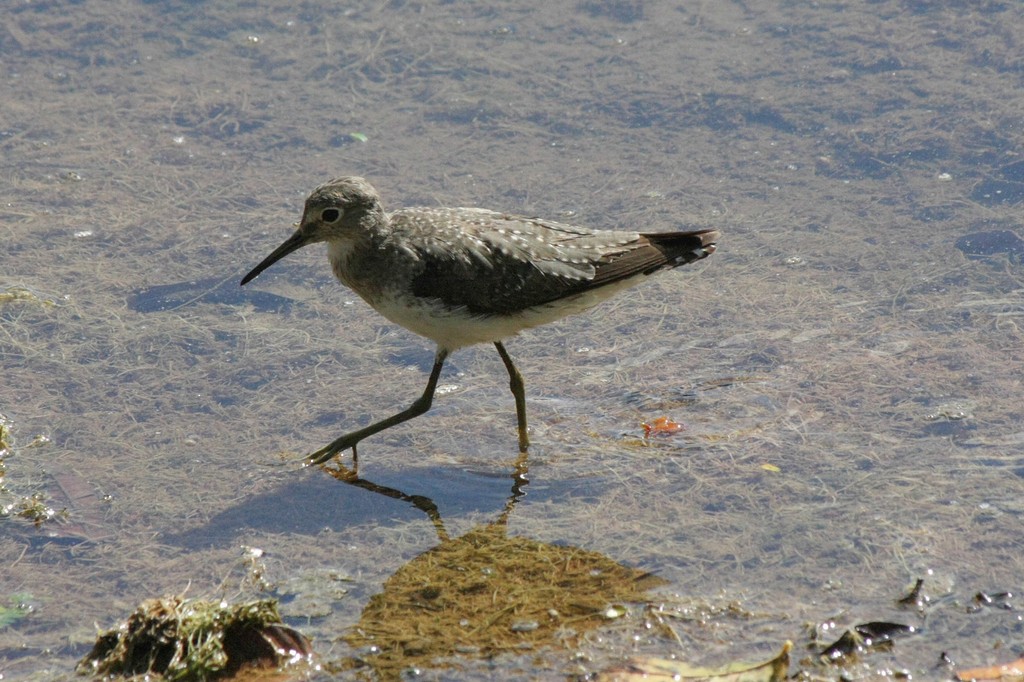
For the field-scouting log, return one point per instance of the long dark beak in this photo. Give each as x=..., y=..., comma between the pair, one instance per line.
x=293, y=243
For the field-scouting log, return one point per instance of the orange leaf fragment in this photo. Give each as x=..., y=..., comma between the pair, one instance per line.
x=1005, y=671
x=662, y=426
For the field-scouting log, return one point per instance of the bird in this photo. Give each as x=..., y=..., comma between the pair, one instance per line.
x=465, y=276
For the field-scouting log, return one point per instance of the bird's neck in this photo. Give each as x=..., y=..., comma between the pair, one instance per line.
x=354, y=257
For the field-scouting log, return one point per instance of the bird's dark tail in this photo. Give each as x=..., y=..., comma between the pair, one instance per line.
x=653, y=251
x=680, y=248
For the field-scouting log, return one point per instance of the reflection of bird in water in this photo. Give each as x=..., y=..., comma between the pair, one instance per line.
x=461, y=276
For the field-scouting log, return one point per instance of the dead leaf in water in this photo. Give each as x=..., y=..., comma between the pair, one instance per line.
x=637, y=669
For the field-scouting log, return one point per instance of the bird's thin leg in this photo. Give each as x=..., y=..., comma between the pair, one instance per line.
x=421, y=405
x=519, y=391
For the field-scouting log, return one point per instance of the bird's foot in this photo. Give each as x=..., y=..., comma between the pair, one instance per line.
x=335, y=447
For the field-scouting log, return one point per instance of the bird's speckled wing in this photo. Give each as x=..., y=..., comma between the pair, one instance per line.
x=494, y=264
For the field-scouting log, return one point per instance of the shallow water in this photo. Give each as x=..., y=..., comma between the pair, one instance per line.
x=849, y=378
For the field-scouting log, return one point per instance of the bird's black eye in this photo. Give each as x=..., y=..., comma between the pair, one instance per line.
x=330, y=215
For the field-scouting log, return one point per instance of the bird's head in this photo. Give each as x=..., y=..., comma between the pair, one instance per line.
x=341, y=209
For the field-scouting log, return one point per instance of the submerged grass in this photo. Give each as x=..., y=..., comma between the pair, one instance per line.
x=485, y=594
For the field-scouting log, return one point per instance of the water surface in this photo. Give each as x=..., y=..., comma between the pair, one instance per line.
x=849, y=378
